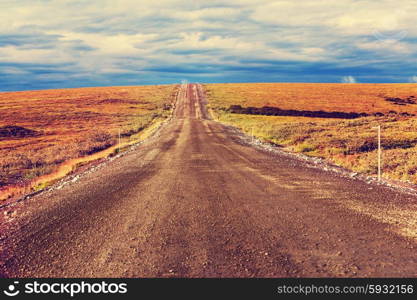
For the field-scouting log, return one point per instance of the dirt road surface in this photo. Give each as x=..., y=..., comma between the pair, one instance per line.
x=196, y=201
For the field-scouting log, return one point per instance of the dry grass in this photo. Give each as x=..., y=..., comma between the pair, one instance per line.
x=44, y=130
x=314, y=96
x=348, y=143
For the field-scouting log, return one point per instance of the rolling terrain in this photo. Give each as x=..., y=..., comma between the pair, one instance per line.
x=336, y=122
x=45, y=134
x=197, y=200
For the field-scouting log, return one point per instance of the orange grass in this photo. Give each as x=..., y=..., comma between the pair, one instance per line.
x=348, y=143
x=368, y=98
x=71, y=125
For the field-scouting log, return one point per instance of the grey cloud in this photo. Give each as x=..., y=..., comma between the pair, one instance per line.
x=159, y=41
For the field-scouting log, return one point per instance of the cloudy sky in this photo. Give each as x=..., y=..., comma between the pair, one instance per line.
x=59, y=43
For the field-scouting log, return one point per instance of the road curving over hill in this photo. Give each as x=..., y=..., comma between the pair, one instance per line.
x=196, y=201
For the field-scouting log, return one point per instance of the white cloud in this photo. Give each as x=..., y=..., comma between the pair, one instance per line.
x=385, y=46
x=112, y=37
x=37, y=56
x=348, y=79
x=413, y=79
x=343, y=16
x=14, y=71
x=197, y=40
x=213, y=13
x=123, y=44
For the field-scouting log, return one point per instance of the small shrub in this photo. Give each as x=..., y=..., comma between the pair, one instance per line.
x=305, y=147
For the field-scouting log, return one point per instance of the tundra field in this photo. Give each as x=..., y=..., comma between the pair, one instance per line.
x=331, y=121
x=196, y=201
x=47, y=132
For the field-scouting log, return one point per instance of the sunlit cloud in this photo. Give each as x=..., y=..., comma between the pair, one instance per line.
x=126, y=42
x=413, y=79
x=348, y=79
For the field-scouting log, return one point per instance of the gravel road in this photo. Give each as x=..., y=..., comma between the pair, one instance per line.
x=194, y=200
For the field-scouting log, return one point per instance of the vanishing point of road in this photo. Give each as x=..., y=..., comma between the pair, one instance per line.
x=195, y=200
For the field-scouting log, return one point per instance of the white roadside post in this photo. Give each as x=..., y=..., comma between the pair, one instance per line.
x=379, y=151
